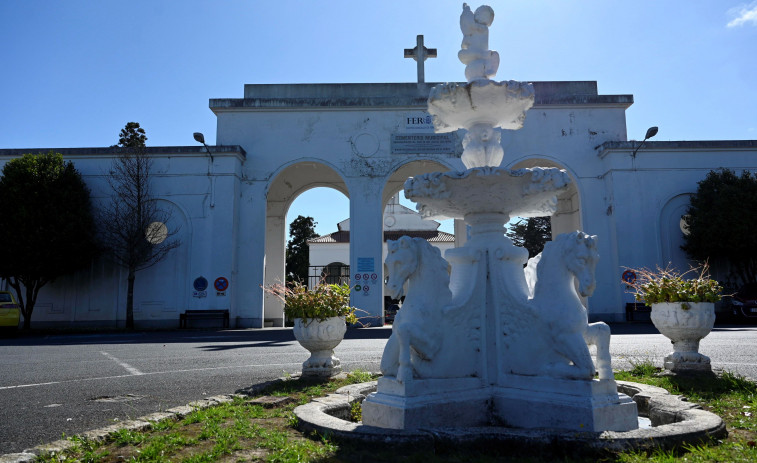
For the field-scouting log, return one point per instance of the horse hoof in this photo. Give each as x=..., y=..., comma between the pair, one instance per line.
x=404, y=374
x=606, y=374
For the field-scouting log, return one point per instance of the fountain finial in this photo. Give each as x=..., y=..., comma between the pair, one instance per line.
x=481, y=106
x=479, y=61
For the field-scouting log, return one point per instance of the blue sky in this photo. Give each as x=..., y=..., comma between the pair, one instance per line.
x=74, y=72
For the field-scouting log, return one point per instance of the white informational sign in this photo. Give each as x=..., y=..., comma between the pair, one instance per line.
x=424, y=143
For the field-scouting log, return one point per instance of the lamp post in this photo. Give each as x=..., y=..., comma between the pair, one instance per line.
x=651, y=132
x=200, y=138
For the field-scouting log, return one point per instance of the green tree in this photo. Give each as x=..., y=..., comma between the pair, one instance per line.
x=721, y=223
x=301, y=230
x=48, y=229
x=531, y=234
x=133, y=229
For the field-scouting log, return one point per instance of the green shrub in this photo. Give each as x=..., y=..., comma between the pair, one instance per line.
x=669, y=285
x=322, y=302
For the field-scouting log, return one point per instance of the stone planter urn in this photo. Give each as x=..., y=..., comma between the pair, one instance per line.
x=685, y=328
x=320, y=338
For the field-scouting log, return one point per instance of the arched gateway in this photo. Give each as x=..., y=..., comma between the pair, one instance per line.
x=361, y=139
x=365, y=140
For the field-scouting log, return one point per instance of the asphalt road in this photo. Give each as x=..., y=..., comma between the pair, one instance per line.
x=65, y=384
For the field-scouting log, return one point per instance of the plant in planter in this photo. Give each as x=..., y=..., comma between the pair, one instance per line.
x=683, y=310
x=320, y=315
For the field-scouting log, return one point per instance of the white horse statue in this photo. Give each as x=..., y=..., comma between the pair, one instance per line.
x=421, y=327
x=554, y=300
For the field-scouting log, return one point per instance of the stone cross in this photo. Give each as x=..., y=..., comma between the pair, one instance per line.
x=420, y=54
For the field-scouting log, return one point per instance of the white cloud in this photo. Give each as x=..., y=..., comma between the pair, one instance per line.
x=744, y=15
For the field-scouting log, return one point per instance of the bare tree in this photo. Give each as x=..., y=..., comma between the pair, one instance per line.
x=134, y=230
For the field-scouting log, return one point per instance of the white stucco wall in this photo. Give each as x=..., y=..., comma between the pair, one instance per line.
x=182, y=184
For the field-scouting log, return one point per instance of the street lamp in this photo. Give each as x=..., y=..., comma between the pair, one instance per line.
x=200, y=138
x=651, y=132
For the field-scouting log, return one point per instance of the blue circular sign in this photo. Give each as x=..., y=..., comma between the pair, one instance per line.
x=200, y=284
x=221, y=284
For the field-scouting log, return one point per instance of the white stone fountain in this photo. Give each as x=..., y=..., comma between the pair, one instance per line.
x=492, y=343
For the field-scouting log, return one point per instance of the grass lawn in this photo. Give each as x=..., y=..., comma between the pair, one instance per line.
x=242, y=431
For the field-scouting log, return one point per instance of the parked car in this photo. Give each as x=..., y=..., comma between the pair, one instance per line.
x=744, y=302
x=10, y=312
x=390, y=313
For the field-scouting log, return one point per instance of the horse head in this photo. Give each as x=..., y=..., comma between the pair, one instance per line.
x=580, y=257
x=401, y=262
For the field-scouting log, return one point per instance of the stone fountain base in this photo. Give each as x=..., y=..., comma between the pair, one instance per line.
x=411, y=406
x=538, y=402
x=526, y=402
x=675, y=423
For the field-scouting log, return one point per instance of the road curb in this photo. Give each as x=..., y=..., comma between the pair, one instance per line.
x=139, y=424
x=101, y=434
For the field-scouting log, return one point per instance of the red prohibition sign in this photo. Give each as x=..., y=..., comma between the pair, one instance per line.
x=221, y=284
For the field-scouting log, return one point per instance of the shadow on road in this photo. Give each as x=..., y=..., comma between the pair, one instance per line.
x=255, y=337
x=267, y=337
x=222, y=347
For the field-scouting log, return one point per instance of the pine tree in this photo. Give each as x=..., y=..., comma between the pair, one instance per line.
x=531, y=233
x=301, y=230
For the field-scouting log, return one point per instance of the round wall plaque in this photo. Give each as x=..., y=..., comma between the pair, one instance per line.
x=364, y=144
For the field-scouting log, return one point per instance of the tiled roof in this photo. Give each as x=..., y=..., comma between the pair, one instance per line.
x=434, y=236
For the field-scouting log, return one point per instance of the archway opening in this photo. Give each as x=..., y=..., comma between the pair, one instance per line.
x=328, y=252
x=311, y=189
x=402, y=219
x=395, y=187
x=567, y=218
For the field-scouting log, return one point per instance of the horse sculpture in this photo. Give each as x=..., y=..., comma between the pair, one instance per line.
x=416, y=347
x=428, y=333
x=555, y=302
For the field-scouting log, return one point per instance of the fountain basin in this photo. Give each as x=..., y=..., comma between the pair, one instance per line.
x=460, y=106
x=675, y=423
x=487, y=190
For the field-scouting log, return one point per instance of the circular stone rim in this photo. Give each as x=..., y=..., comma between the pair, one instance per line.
x=678, y=423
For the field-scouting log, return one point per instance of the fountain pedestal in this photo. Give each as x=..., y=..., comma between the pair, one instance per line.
x=427, y=403
x=526, y=402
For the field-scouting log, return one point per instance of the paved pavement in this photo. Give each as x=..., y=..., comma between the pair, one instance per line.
x=52, y=385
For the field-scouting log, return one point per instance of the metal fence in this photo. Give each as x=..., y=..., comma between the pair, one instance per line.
x=329, y=274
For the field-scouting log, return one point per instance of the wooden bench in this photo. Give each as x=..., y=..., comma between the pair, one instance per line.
x=204, y=315
x=634, y=308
